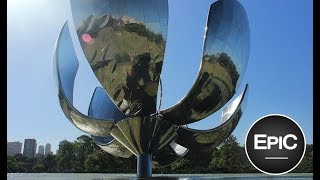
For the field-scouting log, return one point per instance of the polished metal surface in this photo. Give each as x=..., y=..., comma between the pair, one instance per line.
x=65, y=68
x=178, y=149
x=103, y=141
x=117, y=149
x=144, y=135
x=224, y=60
x=124, y=43
x=102, y=107
x=144, y=166
x=119, y=136
x=168, y=155
x=201, y=140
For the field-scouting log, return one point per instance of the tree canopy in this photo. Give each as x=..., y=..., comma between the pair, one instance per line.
x=84, y=156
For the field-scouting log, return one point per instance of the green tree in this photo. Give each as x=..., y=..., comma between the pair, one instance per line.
x=14, y=166
x=183, y=165
x=306, y=165
x=84, y=146
x=100, y=162
x=67, y=157
x=39, y=167
x=227, y=158
x=199, y=161
x=50, y=163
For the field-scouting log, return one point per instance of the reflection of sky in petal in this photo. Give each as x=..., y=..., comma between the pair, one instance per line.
x=228, y=32
x=154, y=26
x=102, y=140
x=102, y=107
x=154, y=13
x=231, y=108
x=180, y=150
x=66, y=69
x=150, y=10
x=135, y=11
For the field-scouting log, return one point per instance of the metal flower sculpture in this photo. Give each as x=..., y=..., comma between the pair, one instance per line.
x=124, y=43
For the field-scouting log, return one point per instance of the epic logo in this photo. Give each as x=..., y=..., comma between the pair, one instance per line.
x=273, y=140
x=275, y=144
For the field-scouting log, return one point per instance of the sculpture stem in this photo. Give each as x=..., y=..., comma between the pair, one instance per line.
x=144, y=166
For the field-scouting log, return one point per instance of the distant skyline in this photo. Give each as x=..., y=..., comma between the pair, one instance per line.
x=39, y=147
x=279, y=71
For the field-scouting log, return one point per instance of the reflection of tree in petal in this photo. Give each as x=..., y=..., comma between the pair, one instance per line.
x=214, y=86
x=127, y=59
x=225, y=61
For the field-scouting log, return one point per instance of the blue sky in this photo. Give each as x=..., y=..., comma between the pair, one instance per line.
x=279, y=71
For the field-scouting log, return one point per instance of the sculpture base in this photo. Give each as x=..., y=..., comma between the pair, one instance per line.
x=144, y=166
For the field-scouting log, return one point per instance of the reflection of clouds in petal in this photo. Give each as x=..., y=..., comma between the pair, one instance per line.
x=154, y=27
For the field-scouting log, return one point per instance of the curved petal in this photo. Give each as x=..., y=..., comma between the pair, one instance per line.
x=144, y=134
x=168, y=155
x=102, y=140
x=199, y=140
x=102, y=107
x=113, y=147
x=65, y=68
x=124, y=43
x=224, y=60
x=178, y=149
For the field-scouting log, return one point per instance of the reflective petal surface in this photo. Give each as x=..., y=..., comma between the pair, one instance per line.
x=119, y=136
x=224, y=60
x=65, y=68
x=102, y=140
x=117, y=149
x=144, y=135
x=102, y=107
x=124, y=43
x=199, y=140
x=168, y=155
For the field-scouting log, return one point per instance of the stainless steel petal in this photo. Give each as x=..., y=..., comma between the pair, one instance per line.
x=102, y=140
x=124, y=43
x=65, y=68
x=178, y=149
x=168, y=155
x=143, y=135
x=224, y=60
x=119, y=136
x=117, y=149
x=102, y=107
x=199, y=140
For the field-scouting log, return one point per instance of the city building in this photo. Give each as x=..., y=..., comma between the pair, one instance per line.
x=48, y=149
x=29, y=148
x=14, y=148
x=41, y=150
